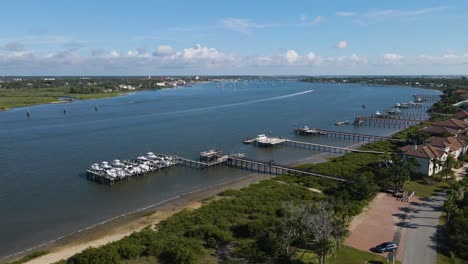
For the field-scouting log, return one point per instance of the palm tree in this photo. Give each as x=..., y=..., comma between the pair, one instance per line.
x=322, y=248
x=448, y=166
x=339, y=231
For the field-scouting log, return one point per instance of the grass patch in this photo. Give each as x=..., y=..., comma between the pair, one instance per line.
x=11, y=98
x=425, y=188
x=346, y=255
x=29, y=257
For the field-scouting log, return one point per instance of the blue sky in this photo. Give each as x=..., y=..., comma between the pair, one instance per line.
x=144, y=37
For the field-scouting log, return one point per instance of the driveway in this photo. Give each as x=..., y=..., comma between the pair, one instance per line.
x=377, y=224
x=421, y=230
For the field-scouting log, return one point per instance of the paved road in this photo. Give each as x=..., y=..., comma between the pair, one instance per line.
x=421, y=229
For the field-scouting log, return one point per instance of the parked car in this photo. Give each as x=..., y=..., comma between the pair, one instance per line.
x=386, y=247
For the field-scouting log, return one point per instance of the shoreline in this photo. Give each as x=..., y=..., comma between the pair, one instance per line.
x=119, y=227
x=123, y=225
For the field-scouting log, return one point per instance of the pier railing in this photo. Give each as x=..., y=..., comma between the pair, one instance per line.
x=351, y=136
x=271, y=168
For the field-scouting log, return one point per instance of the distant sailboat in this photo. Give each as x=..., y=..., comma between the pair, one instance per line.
x=363, y=106
x=28, y=114
x=95, y=108
x=64, y=111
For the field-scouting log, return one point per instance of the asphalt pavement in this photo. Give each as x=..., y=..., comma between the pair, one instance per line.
x=421, y=230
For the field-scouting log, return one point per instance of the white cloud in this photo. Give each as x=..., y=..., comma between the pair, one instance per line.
x=201, y=52
x=209, y=60
x=404, y=13
x=342, y=44
x=311, y=56
x=241, y=25
x=450, y=56
x=352, y=59
x=392, y=57
x=163, y=50
x=291, y=56
x=345, y=14
x=138, y=53
x=113, y=54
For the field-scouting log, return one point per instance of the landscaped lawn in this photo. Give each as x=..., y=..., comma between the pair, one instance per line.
x=346, y=255
x=424, y=189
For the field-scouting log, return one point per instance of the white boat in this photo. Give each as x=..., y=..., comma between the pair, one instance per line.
x=142, y=158
x=105, y=165
x=96, y=167
x=112, y=173
x=151, y=155
x=117, y=163
x=342, y=123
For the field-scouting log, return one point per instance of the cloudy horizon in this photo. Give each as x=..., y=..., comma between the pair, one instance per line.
x=211, y=38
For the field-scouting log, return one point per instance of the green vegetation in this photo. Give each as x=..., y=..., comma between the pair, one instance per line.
x=416, y=81
x=268, y=222
x=31, y=91
x=425, y=187
x=10, y=98
x=29, y=257
x=347, y=255
x=454, y=236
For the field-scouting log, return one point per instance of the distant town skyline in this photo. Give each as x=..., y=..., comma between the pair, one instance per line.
x=146, y=37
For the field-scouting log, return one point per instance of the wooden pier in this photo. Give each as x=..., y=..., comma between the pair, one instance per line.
x=199, y=164
x=427, y=97
x=271, y=168
x=386, y=122
x=327, y=148
x=264, y=141
x=352, y=136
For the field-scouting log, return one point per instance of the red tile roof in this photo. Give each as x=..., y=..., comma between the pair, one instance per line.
x=440, y=142
x=452, y=123
x=422, y=151
x=438, y=130
x=461, y=115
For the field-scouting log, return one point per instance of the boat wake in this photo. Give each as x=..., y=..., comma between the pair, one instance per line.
x=238, y=104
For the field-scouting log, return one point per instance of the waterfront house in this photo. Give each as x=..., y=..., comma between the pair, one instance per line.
x=453, y=123
x=463, y=115
x=450, y=127
x=427, y=157
x=440, y=131
x=451, y=145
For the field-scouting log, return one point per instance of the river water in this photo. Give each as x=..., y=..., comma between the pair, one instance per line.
x=44, y=193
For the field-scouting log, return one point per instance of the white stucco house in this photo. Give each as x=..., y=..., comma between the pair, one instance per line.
x=426, y=156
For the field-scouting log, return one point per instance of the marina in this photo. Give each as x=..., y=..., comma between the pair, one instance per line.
x=117, y=170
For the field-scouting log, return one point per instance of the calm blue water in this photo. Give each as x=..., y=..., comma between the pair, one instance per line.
x=43, y=192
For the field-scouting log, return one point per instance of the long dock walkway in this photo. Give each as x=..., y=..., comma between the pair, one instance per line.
x=427, y=97
x=327, y=148
x=353, y=136
x=271, y=168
